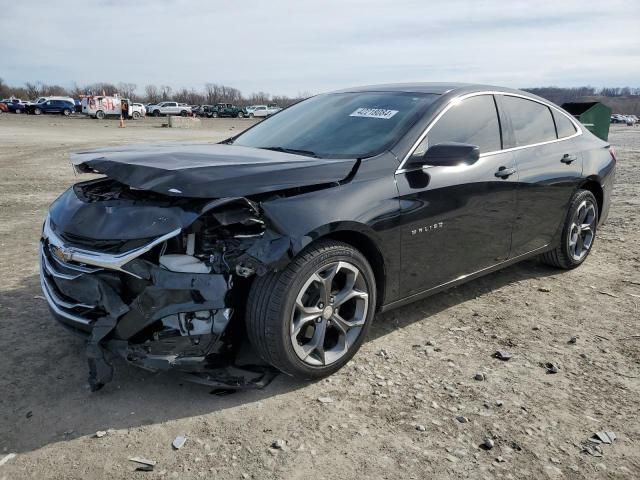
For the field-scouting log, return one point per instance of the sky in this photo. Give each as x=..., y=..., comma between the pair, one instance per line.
x=292, y=46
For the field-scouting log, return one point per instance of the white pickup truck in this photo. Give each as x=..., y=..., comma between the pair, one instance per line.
x=169, y=108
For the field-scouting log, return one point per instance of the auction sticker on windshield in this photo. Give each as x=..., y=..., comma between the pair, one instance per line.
x=374, y=113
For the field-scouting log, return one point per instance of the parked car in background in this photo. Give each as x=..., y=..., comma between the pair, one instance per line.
x=54, y=97
x=617, y=118
x=169, y=108
x=203, y=110
x=345, y=204
x=263, y=111
x=140, y=108
x=64, y=107
x=227, y=110
x=17, y=106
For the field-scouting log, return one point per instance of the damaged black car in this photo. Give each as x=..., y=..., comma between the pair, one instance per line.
x=286, y=239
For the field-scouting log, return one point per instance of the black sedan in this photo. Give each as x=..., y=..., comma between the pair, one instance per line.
x=290, y=236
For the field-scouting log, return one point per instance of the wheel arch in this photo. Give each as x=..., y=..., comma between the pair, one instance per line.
x=357, y=236
x=593, y=185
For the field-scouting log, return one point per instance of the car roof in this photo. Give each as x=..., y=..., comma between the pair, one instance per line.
x=432, y=87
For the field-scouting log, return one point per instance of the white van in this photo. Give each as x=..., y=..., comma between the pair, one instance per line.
x=102, y=106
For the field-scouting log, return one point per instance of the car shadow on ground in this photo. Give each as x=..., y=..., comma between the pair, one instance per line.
x=44, y=393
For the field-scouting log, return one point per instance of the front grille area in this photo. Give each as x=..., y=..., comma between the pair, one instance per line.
x=79, y=315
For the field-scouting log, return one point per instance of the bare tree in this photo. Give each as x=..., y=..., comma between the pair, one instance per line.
x=152, y=94
x=165, y=92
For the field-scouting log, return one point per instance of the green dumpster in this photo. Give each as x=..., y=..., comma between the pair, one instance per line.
x=595, y=116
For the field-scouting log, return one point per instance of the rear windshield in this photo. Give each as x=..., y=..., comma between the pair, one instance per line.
x=340, y=125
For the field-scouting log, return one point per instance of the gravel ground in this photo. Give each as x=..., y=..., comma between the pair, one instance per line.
x=407, y=407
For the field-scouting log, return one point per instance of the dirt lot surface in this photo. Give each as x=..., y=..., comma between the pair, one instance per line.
x=391, y=413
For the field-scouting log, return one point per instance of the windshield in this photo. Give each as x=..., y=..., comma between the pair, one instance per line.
x=340, y=125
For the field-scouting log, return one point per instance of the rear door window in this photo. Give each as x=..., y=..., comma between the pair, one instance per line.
x=473, y=121
x=564, y=126
x=531, y=121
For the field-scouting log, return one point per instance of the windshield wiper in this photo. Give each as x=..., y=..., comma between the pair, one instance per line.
x=307, y=153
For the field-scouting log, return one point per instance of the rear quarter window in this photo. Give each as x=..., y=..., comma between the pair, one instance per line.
x=531, y=121
x=565, y=127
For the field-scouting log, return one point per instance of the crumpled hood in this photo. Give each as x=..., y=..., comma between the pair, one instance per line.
x=210, y=171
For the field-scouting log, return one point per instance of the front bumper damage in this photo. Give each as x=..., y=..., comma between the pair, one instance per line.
x=152, y=317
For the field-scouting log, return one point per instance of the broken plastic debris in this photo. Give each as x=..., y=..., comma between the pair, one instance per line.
x=179, y=442
x=603, y=437
x=502, y=355
x=325, y=399
x=7, y=457
x=143, y=461
x=100, y=433
x=551, y=367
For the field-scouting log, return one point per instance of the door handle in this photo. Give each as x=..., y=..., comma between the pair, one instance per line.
x=568, y=158
x=504, y=172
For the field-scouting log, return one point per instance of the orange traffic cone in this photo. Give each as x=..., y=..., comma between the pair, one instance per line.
x=122, y=125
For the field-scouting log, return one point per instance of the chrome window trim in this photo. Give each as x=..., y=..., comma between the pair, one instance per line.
x=100, y=259
x=456, y=100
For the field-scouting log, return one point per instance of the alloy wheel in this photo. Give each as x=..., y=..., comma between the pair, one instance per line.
x=329, y=313
x=582, y=230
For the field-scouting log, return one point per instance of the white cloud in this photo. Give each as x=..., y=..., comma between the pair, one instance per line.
x=290, y=46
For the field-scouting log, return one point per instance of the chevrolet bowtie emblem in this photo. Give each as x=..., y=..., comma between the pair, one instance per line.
x=61, y=254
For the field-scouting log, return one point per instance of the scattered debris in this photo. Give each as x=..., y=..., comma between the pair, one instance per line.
x=29, y=414
x=603, y=437
x=544, y=289
x=499, y=403
x=609, y=294
x=278, y=444
x=632, y=282
x=487, y=444
x=551, y=367
x=536, y=327
x=573, y=340
x=383, y=353
x=143, y=461
x=481, y=377
x=145, y=468
x=500, y=459
x=100, y=434
x=6, y=458
x=39, y=297
x=502, y=355
x=179, y=442
x=462, y=419
x=325, y=399
x=421, y=428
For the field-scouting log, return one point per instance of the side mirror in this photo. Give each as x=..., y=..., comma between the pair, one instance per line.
x=449, y=155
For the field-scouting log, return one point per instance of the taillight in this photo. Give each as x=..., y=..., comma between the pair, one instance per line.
x=612, y=151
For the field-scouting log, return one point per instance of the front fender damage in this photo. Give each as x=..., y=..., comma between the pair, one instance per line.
x=159, y=315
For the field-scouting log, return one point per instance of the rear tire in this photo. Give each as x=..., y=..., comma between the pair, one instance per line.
x=136, y=115
x=37, y=111
x=156, y=113
x=310, y=319
x=578, y=233
x=66, y=112
x=100, y=115
x=183, y=113
x=18, y=111
x=214, y=115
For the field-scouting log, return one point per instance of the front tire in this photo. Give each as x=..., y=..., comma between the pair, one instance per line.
x=136, y=115
x=578, y=233
x=66, y=112
x=156, y=113
x=310, y=319
x=100, y=115
x=37, y=111
x=214, y=115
